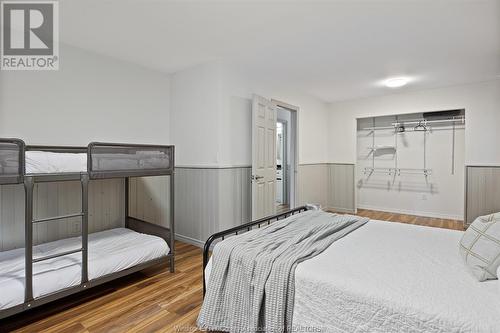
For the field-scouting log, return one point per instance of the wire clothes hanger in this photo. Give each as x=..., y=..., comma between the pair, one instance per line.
x=422, y=126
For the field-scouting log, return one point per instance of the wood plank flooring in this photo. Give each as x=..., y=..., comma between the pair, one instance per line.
x=282, y=208
x=154, y=300
x=412, y=219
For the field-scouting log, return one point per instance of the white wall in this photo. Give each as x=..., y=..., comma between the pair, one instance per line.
x=195, y=116
x=90, y=98
x=236, y=133
x=211, y=128
x=481, y=102
x=236, y=136
x=211, y=117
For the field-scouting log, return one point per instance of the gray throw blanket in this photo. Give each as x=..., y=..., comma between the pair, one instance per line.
x=251, y=286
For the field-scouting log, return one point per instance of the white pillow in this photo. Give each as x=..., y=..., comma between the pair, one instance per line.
x=480, y=247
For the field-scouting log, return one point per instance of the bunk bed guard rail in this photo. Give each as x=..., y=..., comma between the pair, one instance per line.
x=11, y=161
x=116, y=160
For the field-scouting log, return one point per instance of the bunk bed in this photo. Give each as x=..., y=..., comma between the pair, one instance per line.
x=38, y=274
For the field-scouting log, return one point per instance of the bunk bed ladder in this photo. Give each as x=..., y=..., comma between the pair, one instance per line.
x=29, y=183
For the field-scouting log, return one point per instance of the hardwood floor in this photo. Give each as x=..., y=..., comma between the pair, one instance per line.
x=282, y=208
x=154, y=300
x=412, y=219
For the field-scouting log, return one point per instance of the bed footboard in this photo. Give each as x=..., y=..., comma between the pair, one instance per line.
x=155, y=230
x=242, y=228
x=148, y=228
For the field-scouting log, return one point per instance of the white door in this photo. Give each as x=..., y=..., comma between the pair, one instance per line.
x=263, y=158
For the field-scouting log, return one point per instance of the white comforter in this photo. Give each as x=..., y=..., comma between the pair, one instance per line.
x=393, y=277
x=109, y=251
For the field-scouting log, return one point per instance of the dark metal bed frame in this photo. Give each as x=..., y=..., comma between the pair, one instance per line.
x=243, y=228
x=132, y=223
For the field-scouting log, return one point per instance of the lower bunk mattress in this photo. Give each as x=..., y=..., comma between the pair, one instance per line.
x=109, y=251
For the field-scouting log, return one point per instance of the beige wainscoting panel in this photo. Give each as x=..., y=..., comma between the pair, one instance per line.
x=196, y=203
x=341, y=188
x=11, y=217
x=482, y=191
x=106, y=210
x=235, y=197
x=208, y=200
x=313, y=184
x=149, y=199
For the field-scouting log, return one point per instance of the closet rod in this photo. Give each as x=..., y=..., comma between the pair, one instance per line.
x=423, y=121
x=416, y=122
x=398, y=171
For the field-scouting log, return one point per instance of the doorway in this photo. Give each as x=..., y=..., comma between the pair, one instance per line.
x=285, y=157
x=281, y=170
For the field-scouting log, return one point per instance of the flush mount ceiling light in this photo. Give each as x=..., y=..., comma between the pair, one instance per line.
x=396, y=82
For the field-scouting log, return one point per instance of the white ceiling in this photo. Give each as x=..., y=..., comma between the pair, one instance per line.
x=334, y=50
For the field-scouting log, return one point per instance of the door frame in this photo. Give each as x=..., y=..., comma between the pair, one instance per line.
x=284, y=157
x=294, y=142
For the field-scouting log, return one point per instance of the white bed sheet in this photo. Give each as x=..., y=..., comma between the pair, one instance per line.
x=109, y=251
x=41, y=162
x=393, y=277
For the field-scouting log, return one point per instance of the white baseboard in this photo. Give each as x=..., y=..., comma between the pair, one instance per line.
x=412, y=212
x=341, y=210
x=190, y=240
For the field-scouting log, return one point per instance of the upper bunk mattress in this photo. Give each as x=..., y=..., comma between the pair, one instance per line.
x=393, y=277
x=42, y=162
x=109, y=251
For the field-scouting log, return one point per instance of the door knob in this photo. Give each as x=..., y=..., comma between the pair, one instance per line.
x=254, y=177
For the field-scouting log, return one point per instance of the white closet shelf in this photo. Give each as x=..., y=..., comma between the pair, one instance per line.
x=381, y=147
x=425, y=122
x=398, y=171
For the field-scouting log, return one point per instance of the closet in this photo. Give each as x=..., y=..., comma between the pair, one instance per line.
x=412, y=163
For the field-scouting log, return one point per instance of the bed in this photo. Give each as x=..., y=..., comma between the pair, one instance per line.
x=110, y=251
x=393, y=277
x=34, y=275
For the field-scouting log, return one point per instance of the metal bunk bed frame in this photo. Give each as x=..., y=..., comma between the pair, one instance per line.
x=132, y=223
x=243, y=228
